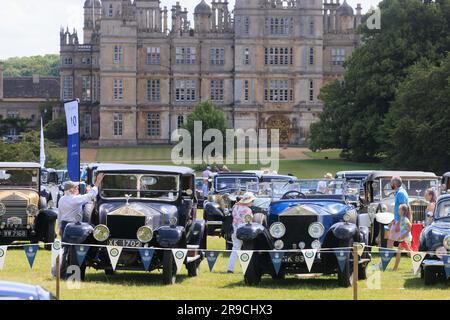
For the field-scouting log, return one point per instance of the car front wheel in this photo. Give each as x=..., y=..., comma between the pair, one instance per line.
x=344, y=276
x=429, y=276
x=253, y=274
x=50, y=237
x=193, y=268
x=169, y=268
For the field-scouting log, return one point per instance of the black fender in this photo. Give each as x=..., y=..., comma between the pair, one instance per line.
x=197, y=233
x=364, y=235
x=249, y=232
x=169, y=237
x=212, y=211
x=44, y=220
x=345, y=231
x=77, y=233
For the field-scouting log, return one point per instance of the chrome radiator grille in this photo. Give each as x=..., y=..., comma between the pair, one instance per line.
x=15, y=208
x=419, y=213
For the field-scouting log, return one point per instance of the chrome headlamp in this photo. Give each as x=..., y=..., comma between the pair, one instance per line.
x=447, y=242
x=279, y=244
x=173, y=221
x=2, y=209
x=316, y=230
x=32, y=210
x=277, y=230
x=101, y=233
x=145, y=234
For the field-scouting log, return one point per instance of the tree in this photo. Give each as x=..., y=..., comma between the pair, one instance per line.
x=210, y=116
x=19, y=124
x=410, y=31
x=416, y=133
x=29, y=150
x=56, y=129
x=46, y=66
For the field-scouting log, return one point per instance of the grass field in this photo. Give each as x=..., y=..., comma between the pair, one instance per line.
x=217, y=284
x=329, y=154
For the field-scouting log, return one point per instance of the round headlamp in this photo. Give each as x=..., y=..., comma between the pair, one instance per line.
x=2, y=209
x=145, y=234
x=447, y=242
x=440, y=252
x=173, y=221
x=301, y=245
x=316, y=244
x=316, y=230
x=101, y=233
x=277, y=230
x=248, y=218
x=279, y=244
x=32, y=210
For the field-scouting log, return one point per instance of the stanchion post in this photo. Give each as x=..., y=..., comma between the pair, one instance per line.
x=58, y=275
x=355, y=271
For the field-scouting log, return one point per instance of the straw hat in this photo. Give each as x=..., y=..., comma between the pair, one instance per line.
x=247, y=198
x=328, y=176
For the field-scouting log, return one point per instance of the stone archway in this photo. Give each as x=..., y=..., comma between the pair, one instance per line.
x=283, y=124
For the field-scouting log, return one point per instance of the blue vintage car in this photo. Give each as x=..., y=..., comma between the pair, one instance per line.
x=19, y=291
x=435, y=239
x=308, y=217
x=137, y=207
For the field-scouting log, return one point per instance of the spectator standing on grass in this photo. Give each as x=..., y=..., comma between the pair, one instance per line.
x=401, y=197
x=240, y=210
x=405, y=235
x=431, y=197
x=205, y=175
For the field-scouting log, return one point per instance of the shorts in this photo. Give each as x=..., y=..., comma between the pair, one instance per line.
x=394, y=235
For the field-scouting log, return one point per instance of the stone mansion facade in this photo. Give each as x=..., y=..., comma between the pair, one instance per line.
x=138, y=78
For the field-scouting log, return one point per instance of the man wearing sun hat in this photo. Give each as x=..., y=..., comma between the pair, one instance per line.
x=240, y=210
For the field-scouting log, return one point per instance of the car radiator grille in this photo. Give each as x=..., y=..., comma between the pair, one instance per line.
x=297, y=230
x=124, y=227
x=419, y=213
x=15, y=208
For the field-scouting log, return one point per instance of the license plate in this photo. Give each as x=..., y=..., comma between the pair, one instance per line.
x=14, y=233
x=293, y=258
x=124, y=243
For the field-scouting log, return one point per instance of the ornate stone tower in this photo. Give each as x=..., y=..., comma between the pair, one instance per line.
x=202, y=17
x=92, y=17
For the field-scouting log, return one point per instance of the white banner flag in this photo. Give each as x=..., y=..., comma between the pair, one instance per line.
x=42, y=147
x=244, y=259
x=71, y=109
x=114, y=255
x=309, y=255
x=417, y=258
x=180, y=256
x=3, y=250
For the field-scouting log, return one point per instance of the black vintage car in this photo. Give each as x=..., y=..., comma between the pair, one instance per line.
x=226, y=190
x=306, y=218
x=24, y=215
x=51, y=189
x=141, y=206
x=435, y=240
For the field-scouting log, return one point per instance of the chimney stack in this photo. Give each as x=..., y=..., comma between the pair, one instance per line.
x=1, y=80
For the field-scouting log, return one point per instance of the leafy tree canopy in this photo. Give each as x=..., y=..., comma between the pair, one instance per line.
x=46, y=66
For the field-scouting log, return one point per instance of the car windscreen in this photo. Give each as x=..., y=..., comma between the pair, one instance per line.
x=24, y=178
x=236, y=184
x=414, y=187
x=141, y=186
x=322, y=187
x=443, y=210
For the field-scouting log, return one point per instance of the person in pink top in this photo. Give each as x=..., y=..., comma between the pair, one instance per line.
x=240, y=210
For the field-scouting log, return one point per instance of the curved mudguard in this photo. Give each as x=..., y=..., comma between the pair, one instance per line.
x=249, y=231
x=168, y=237
x=212, y=211
x=344, y=231
x=77, y=233
x=197, y=233
x=50, y=214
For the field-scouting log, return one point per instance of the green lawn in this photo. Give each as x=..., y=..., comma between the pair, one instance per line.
x=218, y=284
x=330, y=154
x=134, y=154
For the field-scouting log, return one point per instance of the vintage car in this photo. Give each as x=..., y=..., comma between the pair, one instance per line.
x=446, y=182
x=270, y=176
x=226, y=189
x=141, y=206
x=63, y=176
x=356, y=178
x=19, y=291
x=380, y=201
x=435, y=240
x=50, y=187
x=24, y=215
x=306, y=219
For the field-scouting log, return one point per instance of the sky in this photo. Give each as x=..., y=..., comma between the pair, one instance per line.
x=31, y=27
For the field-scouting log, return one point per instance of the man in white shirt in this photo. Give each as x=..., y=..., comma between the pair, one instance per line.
x=70, y=206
